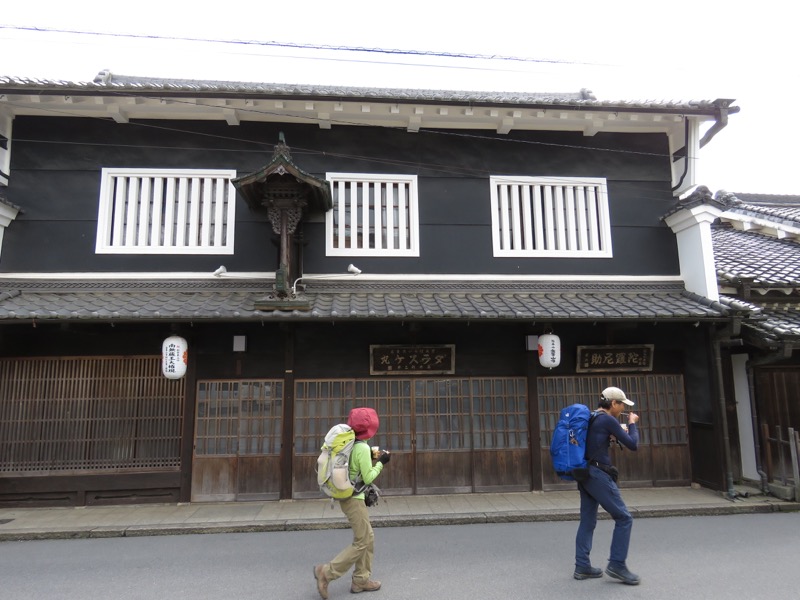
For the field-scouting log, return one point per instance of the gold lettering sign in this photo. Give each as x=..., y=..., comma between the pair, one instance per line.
x=604, y=359
x=391, y=360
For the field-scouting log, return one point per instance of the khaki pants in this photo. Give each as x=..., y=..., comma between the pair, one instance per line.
x=361, y=551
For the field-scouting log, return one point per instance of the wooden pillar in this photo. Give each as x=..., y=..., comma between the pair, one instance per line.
x=534, y=429
x=287, y=433
x=187, y=431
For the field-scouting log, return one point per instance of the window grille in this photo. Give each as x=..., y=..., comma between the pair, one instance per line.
x=69, y=415
x=660, y=402
x=550, y=217
x=440, y=414
x=238, y=417
x=373, y=215
x=166, y=211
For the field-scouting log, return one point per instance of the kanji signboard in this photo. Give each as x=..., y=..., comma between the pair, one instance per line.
x=602, y=359
x=401, y=360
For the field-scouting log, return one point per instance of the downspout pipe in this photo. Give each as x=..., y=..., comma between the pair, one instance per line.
x=686, y=158
x=721, y=120
x=722, y=110
x=716, y=343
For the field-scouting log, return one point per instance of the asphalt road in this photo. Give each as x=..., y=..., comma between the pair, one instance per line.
x=739, y=556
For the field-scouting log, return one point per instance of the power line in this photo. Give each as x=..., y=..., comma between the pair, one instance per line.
x=306, y=46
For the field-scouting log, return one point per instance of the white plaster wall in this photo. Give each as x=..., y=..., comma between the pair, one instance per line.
x=696, y=257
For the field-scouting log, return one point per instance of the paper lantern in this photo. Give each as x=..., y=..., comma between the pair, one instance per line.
x=174, y=357
x=549, y=350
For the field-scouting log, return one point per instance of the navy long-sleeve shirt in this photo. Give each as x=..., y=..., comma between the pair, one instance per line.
x=599, y=437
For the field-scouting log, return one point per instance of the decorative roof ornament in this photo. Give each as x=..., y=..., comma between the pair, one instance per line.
x=285, y=192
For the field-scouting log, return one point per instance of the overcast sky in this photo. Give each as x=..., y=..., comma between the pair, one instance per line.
x=621, y=50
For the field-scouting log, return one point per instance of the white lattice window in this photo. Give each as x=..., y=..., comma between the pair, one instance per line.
x=550, y=217
x=166, y=211
x=373, y=215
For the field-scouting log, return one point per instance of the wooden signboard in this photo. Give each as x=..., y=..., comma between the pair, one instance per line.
x=405, y=360
x=604, y=359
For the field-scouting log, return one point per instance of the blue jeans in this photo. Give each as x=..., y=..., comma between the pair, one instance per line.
x=601, y=490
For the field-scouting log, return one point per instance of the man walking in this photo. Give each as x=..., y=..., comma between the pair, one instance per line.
x=601, y=489
x=364, y=422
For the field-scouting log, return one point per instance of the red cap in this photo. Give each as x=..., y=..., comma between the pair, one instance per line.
x=364, y=421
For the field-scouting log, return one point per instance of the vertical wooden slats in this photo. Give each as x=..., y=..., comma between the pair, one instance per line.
x=375, y=240
x=205, y=210
x=343, y=212
x=516, y=218
x=392, y=238
x=78, y=414
x=560, y=223
x=131, y=211
x=546, y=216
x=169, y=212
x=143, y=218
x=549, y=221
x=220, y=213
x=195, y=199
x=505, y=225
x=571, y=218
x=580, y=209
x=527, y=218
x=182, y=214
x=405, y=217
x=156, y=234
x=120, y=188
x=538, y=218
x=594, y=225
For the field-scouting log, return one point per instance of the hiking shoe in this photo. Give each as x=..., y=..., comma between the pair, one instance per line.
x=322, y=581
x=587, y=573
x=367, y=586
x=623, y=574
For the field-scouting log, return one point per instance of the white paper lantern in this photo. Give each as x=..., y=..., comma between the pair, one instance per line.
x=549, y=350
x=174, y=357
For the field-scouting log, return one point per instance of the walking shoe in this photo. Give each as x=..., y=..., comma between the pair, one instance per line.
x=623, y=574
x=587, y=573
x=367, y=586
x=322, y=581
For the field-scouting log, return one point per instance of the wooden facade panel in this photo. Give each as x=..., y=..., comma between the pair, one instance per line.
x=304, y=471
x=671, y=465
x=397, y=478
x=214, y=479
x=39, y=187
x=258, y=478
x=507, y=470
x=443, y=472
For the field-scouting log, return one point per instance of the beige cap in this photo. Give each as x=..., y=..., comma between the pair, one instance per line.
x=614, y=393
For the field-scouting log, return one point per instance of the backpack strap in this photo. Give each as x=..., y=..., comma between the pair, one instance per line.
x=589, y=459
x=358, y=485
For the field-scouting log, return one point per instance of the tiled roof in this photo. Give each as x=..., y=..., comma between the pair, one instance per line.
x=109, y=82
x=235, y=300
x=764, y=260
x=769, y=261
x=782, y=209
x=771, y=320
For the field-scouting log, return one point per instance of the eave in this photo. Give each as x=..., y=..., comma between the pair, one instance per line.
x=412, y=110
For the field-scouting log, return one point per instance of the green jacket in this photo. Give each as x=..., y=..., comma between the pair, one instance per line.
x=361, y=464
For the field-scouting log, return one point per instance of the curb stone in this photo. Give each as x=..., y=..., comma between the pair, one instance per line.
x=277, y=525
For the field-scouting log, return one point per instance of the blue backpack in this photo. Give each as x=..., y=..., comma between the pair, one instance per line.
x=568, y=448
